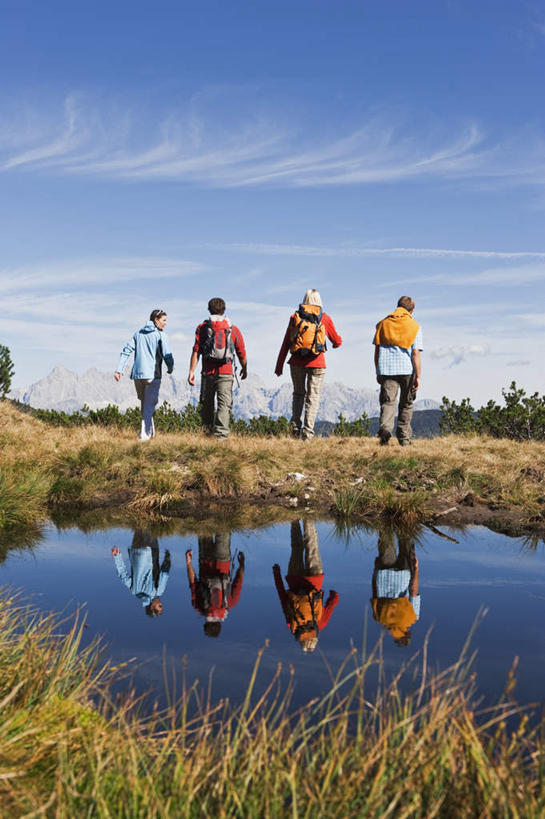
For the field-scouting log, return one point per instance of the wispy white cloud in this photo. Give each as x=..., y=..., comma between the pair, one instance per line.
x=457, y=354
x=510, y=276
x=256, y=152
x=521, y=362
x=101, y=271
x=357, y=252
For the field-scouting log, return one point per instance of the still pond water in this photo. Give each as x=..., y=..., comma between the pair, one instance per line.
x=69, y=568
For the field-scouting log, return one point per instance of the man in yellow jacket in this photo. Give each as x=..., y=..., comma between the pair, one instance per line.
x=396, y=601
x=398, y=344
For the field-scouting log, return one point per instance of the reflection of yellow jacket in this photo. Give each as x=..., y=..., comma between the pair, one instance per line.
x=398, y=329
x=397, y=614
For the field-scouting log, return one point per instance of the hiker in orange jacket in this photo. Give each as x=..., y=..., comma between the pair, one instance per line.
x=305, y=337
x=214, y=593
x=302, y=601
x=396, y=601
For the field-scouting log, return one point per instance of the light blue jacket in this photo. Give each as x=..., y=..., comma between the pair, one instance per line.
x=140, y=580
x=150, y=347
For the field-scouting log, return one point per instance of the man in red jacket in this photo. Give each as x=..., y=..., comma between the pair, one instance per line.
x=213, y=592
x=305, y=337
x=217, y=340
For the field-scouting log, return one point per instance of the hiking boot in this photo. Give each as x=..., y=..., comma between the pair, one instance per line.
x=405, y=442
x=384, y=437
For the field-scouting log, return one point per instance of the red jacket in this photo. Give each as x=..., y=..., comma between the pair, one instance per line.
x=220, y=600
x=306, y=360
x=211, y=367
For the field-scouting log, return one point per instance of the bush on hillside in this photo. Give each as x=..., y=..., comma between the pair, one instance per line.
x=359, y=428
x=6, y=371
x=521, y=418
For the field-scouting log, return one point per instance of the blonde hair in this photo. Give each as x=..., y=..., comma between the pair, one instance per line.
x=312, y=297
x=309, y=645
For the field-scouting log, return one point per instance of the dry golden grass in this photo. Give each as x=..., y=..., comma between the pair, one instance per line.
x=94, y=466
x=366, y=748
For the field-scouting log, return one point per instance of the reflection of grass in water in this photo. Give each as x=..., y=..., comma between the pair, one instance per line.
x=360, y=750
x=380, y=500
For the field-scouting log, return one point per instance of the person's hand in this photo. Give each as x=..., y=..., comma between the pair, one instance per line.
x=167, y=553
x=414, y=561
x=278, y=371
x=244, y=371
x=276, y=567
x=241, y=559
x=115, y=551
x=170, y=371
x=117, y=376
x=378, y=378
x=191, y=379
x=188, y=556
x=415, y=383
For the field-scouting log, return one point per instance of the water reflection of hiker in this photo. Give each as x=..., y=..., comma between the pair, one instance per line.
x=302, y=601
x=213, y=592
x=147, y=579
x=395, y=601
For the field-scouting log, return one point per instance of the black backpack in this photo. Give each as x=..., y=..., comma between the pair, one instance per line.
x=217, y=342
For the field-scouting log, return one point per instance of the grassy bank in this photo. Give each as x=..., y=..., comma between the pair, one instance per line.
x=45, y=469
x=69, y=750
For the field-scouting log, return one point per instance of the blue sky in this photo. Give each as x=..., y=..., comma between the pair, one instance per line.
x=158, y=154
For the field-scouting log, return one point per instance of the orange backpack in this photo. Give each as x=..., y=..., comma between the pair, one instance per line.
x=307, y=332
x=306, y=610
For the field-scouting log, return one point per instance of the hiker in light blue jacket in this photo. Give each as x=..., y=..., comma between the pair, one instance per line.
x=147, y=579
x=150, y=347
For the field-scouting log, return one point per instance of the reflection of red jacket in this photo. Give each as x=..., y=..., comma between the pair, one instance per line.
x=308, y=360
x=300, y=585
x=216, y=600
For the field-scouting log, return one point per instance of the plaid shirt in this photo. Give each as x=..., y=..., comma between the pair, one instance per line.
x=397, y=360
x=394, y=583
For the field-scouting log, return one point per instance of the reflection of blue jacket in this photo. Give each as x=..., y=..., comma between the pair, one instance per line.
x=140, y=581
x=150, y=346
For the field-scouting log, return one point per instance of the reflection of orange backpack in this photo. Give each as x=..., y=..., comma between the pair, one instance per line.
x=307, y=332
x=395, y=614
x=306, y=611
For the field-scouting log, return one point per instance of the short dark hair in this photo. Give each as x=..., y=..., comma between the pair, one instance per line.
x=406, y=302
x=216, y=307
x=212, y=628
x=156, y=314
x=152, y=612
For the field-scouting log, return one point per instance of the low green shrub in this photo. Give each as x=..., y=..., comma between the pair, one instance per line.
x=521, y=418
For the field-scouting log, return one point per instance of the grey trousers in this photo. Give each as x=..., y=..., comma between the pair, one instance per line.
x=220, y=386
x=307, y=386
x=305, y=558
x=147, y=390
x=390, y=385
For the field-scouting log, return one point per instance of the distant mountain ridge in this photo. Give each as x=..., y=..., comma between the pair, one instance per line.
x=65, y=390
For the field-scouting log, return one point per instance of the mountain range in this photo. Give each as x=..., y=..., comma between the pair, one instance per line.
x=65, y=390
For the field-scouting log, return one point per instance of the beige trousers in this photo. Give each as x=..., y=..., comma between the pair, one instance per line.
x=307, y=386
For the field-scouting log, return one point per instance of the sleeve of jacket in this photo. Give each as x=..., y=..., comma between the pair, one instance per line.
x=332, y=601
x=126, y=352
x=284, y=349
x=238, y=341
x=167, y=354
x=278, y=582
x=122, y=571
x=236, y=589
x=331, y=332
